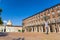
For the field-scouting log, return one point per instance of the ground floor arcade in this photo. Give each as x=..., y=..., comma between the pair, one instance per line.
x=42, y=28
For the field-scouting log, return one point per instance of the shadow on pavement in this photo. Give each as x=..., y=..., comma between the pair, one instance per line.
x=2, y=34
x=18, y=39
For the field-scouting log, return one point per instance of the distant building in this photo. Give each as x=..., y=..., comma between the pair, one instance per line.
x=9, y=23
x=35, y=23
x=10, y=28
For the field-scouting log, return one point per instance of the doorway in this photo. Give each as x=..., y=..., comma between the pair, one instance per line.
x=51, y=30
x=43, y=28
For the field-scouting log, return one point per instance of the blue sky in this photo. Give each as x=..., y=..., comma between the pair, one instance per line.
x=17, y=10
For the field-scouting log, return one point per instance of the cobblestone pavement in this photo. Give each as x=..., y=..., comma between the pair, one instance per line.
x=42, y=36
x=31, y=36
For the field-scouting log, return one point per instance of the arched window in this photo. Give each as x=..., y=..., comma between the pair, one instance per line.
x=53, y=13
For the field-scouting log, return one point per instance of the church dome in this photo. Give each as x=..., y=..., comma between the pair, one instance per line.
x=9, y=22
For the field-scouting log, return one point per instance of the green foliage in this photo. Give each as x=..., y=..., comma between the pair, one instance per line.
x=19, y=30
x=23, y=30
x=1, y=22
x=0, y=11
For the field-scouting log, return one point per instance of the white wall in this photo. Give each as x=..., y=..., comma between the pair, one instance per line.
x=10, y=29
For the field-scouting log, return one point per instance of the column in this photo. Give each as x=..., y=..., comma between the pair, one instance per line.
x=53, y=27
x=31, y=29
x=3, y=29
x=49, y=29
x=35, y=29
x=39, y=29
x=59, y=28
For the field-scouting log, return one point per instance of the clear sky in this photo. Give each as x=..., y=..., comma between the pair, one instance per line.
x=17, y=10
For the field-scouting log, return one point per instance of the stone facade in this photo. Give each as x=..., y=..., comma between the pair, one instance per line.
x=35, y=23
x=10, y=28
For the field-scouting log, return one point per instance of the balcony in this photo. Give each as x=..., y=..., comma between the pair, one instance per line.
x=53, y=21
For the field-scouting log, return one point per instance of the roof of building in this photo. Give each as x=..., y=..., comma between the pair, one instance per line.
x=13, y=26
x=42, y=11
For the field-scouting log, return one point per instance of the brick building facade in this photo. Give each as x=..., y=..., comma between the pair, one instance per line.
x=35, y=23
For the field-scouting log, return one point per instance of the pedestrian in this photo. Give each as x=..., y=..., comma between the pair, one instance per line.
x=46, y=25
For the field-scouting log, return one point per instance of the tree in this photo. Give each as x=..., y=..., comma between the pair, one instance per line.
x=0, y=11
x=1, y=22
x=19, y=30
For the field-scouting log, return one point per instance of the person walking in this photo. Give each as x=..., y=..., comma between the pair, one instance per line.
x=46, y=25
